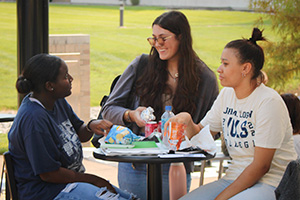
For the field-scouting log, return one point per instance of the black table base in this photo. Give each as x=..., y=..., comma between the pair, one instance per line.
x=154, y=181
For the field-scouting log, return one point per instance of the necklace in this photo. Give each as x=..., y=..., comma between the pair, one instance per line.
x=174, y=78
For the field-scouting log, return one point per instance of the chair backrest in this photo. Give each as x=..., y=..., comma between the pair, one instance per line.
x=289, y=186
x=11, y=186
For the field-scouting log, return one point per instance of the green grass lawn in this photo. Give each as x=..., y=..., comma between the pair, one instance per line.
x=113, y=48
x=3, y=143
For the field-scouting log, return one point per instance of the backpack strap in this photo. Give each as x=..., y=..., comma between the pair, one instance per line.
x=141, y=66
x=105, y=97
x=139, y=71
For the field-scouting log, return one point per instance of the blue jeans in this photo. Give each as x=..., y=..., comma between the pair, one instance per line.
x=210, y=191
x=86, y=191
x=135, y=180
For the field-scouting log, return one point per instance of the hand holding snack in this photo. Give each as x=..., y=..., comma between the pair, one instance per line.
x=135, y=116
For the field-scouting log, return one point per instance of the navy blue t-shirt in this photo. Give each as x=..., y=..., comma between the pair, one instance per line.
x=43, y=141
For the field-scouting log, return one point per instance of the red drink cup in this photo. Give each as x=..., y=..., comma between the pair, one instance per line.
x=150, y=127
x=159, y=127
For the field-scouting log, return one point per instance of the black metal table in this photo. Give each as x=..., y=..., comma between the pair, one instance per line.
x=154, y=171
x=6, y=117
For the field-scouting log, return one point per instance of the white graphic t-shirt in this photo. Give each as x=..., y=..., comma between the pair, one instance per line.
x=262, y=120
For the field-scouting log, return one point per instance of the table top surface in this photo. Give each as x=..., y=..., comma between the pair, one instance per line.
x=4, y=117
x=152, y=159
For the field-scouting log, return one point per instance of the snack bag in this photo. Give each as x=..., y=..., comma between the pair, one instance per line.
x=120, y=135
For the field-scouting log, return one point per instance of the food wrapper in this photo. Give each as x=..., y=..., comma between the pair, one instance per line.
x=120, y=135
x=147, y=114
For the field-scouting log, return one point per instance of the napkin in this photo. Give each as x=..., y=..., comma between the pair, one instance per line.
x=203, y=140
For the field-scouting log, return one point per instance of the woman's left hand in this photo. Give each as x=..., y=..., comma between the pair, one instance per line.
x=251, y=174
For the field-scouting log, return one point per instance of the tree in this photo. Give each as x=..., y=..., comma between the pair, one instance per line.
x=135, y=2
x=282, y=57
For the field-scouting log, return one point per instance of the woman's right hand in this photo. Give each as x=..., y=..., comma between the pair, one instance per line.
x=104, y=183
x=63, y=175
x=101, y=127
x=135, y=116
x=185, y=118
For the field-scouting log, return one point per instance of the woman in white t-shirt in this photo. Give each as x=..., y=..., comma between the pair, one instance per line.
x=255, y=123
x=293, y=104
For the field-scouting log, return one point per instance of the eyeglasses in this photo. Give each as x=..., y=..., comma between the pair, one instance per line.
x=160, y=40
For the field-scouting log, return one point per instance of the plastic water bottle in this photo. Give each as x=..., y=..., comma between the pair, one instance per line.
x=164, y=118
x=177, y=181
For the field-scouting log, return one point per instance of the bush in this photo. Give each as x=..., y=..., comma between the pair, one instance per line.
x=135, y=2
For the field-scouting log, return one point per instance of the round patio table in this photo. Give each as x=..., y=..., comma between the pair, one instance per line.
x=154, y=171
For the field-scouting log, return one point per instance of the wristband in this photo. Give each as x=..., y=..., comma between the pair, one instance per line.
x=88, y=125
x=126, y=116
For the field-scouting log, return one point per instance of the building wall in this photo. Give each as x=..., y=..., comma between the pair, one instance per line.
x=208, y=4
x=74, y=49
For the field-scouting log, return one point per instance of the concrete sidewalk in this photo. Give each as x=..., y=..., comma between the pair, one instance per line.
x=108, y=170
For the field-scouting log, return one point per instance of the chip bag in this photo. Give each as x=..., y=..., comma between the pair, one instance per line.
x=120, y=135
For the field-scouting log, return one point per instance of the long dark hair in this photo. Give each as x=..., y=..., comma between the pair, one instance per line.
x=249, y=51
x=37, y=71
x=293, y=104
x=152, y=83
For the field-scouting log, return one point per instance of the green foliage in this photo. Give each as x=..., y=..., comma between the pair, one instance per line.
x=135, y=2
x=282, y=56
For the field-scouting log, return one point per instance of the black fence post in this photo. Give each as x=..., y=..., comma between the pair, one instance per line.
x=121, y=13
x=32, y=31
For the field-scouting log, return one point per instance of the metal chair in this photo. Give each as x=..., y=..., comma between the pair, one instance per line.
x=289, y=186
x=221, y=157
x=11, y=186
